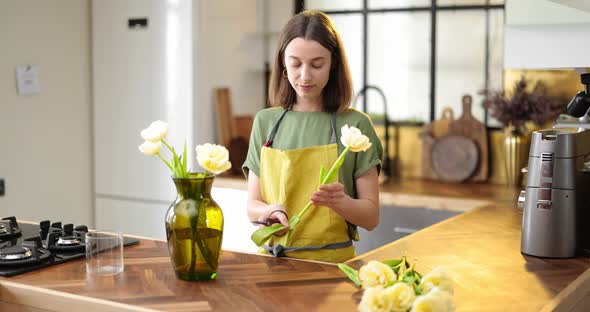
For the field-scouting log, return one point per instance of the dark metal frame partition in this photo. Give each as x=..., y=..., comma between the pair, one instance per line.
x=433, y=9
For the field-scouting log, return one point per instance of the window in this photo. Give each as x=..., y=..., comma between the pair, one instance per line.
x=420, y=76
x=399, y=64
x=352, y=38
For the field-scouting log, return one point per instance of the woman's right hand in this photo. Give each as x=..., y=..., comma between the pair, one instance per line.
x=276, y=214
x=262, y=212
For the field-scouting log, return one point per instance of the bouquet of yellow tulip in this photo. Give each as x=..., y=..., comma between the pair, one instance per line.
x=395, y=285
x=213, y=158
x=354, y=141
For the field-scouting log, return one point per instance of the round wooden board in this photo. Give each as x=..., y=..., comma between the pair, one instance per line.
x=454, y=158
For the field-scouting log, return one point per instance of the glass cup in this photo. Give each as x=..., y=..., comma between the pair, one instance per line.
x=104, y=253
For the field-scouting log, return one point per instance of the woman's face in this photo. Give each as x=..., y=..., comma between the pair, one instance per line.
x=308, y=67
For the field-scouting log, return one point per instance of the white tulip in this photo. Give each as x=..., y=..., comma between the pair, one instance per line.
x=374, y=301
x=354, y=139
x=150, y=148
x=213, y=157
x=438, y=277
x=157, y=131
x=376, y=273
x=436, y=300
x=402, y=296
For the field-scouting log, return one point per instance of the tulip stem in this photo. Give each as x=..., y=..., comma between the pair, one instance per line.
x=336, y=166
x=177, y=168
x=329, y=176
x=166, y=162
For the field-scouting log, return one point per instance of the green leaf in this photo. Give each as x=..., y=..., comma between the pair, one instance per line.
x=185, y=173
x=392, y=263
x=392, y=283
x=352, y=274
x=402, y=268
x=417, y=290
x=261, y=235
x=418, y=275
x=293, y=221
x=408, y=279
x=176, y=166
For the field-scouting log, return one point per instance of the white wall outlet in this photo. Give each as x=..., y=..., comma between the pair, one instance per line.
x=27, y=80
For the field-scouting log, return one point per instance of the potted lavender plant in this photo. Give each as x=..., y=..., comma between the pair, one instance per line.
x=525, y=106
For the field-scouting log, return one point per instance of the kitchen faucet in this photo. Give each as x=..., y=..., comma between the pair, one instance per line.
x=386, y=167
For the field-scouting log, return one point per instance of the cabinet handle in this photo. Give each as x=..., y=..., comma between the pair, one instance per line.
x=399, y=229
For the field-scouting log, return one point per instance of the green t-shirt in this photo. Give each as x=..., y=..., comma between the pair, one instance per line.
x=304, y=129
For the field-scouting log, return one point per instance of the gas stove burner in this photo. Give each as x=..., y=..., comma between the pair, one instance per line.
x=9, y=243
x=30, y=253
x=30, y=247
x=9, y=228
x=15, y=253
x=68, y=241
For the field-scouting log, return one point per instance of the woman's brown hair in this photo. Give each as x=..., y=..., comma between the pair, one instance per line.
x=317, y=26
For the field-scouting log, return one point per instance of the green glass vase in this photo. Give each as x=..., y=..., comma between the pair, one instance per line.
x=194, y=229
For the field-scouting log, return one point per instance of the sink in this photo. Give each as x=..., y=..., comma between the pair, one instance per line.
x=397, y=222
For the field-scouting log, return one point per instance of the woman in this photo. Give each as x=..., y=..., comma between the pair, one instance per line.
x=311, y=85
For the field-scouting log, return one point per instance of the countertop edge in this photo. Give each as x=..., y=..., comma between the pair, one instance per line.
x=570, y=298
x=573, y=297
x=46, y=299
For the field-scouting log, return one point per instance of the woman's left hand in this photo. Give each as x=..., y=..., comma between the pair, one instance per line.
x=330, y=195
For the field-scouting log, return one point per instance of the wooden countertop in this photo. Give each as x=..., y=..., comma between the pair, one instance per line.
x=480, y=248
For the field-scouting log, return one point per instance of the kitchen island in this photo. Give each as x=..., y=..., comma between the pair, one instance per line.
x=480, y=249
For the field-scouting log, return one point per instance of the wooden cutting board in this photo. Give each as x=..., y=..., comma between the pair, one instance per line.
x=468, y=126
x=454, y=158
x=223, y=116
x=429, y=133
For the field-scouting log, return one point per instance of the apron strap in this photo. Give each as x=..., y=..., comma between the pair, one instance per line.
x=273, y=132
x=280, y=250
x=275, y=128
x=333, y=119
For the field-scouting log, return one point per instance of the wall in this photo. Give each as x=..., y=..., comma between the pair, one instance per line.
x=46, y=138
x=229, y=44
x=544, y=34
x=227, y=54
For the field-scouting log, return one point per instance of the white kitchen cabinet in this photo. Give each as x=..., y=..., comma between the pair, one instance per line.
x=131, y=217
x=146, y=217
x=547, y=12
x=140, y=74
x=543, y=34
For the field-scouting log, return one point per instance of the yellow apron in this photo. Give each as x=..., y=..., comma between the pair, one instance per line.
x=289, y=178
